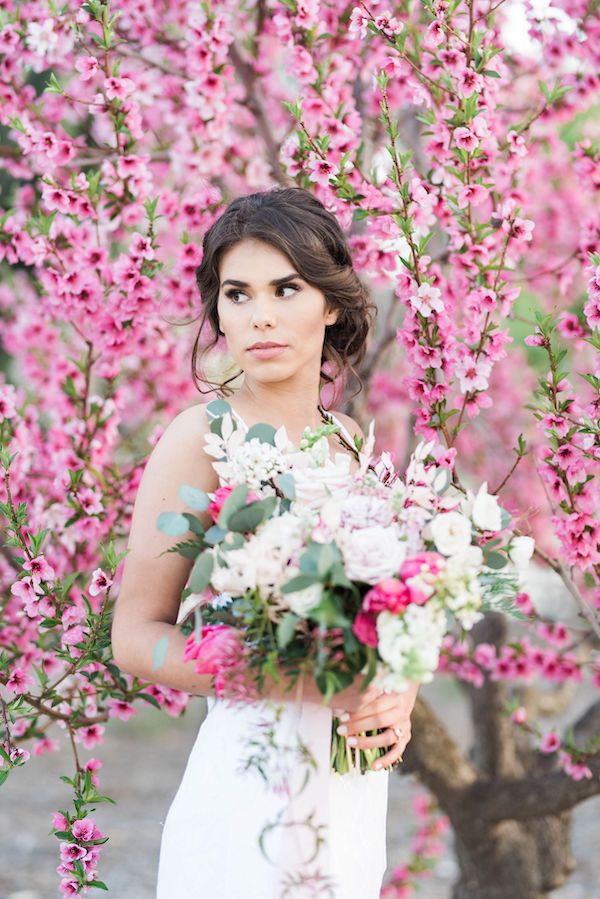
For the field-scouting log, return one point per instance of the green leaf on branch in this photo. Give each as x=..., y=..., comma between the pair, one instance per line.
x=194, y=498
x=52, y=85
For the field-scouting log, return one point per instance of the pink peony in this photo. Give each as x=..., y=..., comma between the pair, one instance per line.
x=217, y=643
x=411, y=567
x=393, y=595
x=365, y=629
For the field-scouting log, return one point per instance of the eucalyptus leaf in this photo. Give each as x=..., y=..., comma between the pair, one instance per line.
x=285, y=482
x=172, y=523
x=201, y=572
x=235, y=501
x=214, y=535
x=328, y=614
x=495, y=560
x=195, y=526
x=286, y=629
x=198, y=500
x=246, y=519
x=300, y=582
x=263, y=432
x=160, y=652
x=217, y=409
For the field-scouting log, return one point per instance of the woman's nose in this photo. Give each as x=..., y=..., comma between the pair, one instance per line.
x=262, y=314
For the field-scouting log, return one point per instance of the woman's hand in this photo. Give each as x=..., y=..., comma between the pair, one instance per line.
x=378, y=710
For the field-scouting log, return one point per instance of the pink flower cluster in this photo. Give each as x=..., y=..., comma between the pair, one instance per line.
x=521, y=660
x=427, y=845
x=393, y=594
x=220, y=652
x=80, y=842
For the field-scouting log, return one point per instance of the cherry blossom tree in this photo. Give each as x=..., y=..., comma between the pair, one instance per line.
x=465, y=174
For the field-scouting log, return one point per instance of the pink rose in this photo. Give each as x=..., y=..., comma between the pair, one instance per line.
x=220, y=495
x=213, y=652
x=411, y=567
x=390, y=594
x=365, y=629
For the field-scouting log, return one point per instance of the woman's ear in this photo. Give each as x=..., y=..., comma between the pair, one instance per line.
x=331, y=316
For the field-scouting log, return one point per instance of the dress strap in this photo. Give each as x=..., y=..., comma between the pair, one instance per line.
x=239, y=418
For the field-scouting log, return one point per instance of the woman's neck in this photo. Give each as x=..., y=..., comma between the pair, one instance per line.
x=292, y=408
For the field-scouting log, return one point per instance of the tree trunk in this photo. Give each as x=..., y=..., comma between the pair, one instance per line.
x=513, y=860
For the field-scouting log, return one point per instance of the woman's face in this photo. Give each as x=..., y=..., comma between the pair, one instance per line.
x=273, y=330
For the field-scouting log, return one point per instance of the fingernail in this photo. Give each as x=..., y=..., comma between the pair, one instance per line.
x=377, y=765
x=345, y=716
x=342, y=730
x=352, y=741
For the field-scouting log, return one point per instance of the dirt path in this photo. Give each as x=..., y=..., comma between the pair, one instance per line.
x=143, y=763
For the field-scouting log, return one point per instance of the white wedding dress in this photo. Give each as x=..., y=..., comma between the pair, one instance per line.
x=210, y=841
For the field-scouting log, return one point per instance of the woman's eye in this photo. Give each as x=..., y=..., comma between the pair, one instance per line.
x=233, y=294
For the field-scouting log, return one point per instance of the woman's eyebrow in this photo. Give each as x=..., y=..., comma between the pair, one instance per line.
x=275, y=283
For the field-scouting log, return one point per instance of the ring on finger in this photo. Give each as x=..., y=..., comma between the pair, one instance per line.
x=398, y=731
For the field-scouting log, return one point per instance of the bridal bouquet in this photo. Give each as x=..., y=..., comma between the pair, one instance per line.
x=310, y=567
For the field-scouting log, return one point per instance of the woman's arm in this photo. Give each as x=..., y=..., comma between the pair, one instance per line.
x=149, y=597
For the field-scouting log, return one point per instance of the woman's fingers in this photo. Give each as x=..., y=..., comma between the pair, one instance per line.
x=379, y=718
x=395, y=753
x=385, y=738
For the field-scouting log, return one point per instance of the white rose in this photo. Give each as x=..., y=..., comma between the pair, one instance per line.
x=521, y=550
x=371, y=554
x=451, y=532
x=314, y=486
x=359, y=510
x=302, y=601
x=238, y=575
x=486, y=512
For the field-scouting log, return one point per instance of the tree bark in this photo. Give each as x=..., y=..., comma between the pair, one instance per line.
x=509, y=810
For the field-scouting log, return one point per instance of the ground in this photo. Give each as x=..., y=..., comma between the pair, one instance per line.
x=143, y=763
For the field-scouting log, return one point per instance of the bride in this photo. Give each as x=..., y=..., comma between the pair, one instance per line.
x=277, y=283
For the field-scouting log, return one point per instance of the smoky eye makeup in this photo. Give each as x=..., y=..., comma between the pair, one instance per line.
x=232, y=292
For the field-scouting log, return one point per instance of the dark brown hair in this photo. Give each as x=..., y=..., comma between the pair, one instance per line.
x=295, y=222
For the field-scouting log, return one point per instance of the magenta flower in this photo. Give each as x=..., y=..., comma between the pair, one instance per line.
x=217, y=643
x=365, y=628
x=220, y=495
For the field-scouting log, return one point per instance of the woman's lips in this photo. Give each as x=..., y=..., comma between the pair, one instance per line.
x=266, y=352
